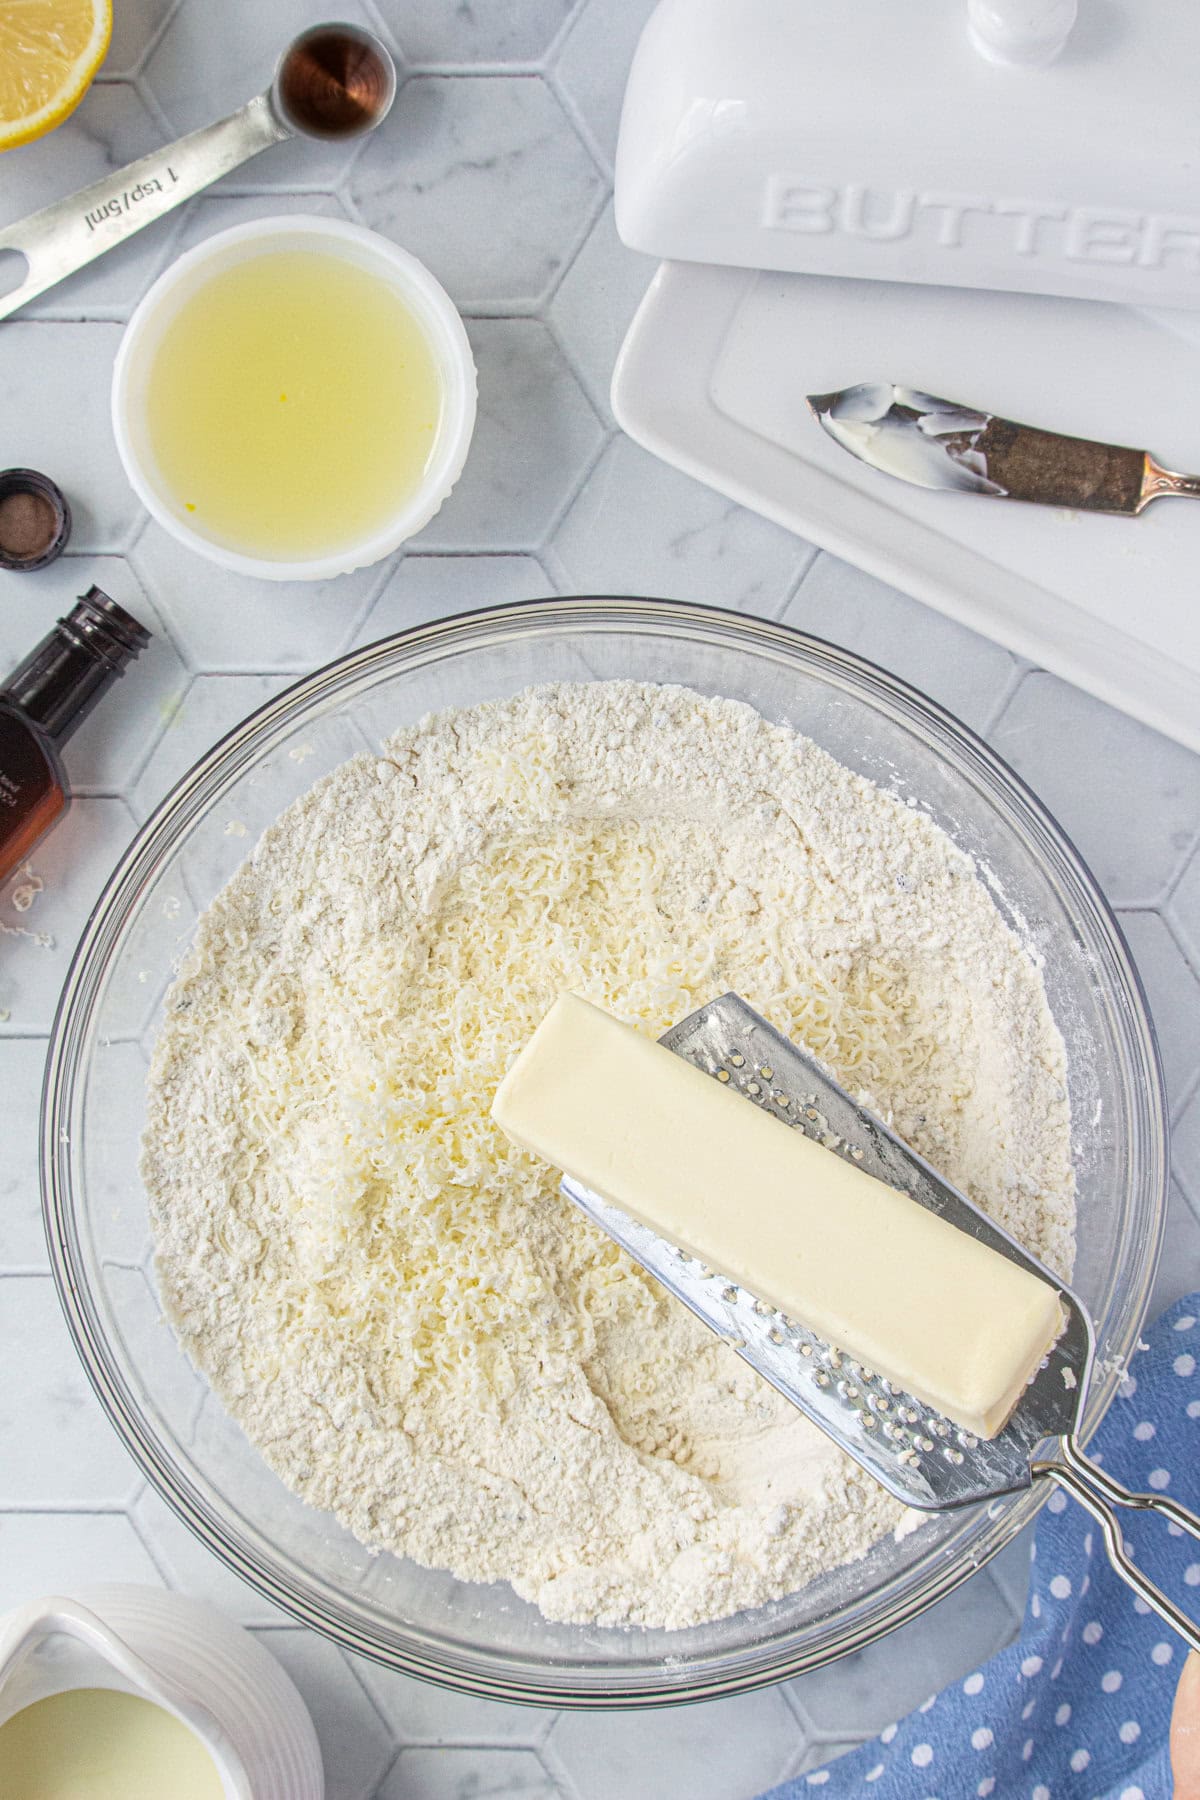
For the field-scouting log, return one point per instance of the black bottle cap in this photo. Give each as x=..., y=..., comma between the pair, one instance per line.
x=35, y=520
x=62, y=678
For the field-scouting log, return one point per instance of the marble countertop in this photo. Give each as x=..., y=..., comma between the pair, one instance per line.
x=495, y=167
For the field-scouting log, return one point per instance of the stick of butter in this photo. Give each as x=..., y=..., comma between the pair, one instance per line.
x=941, y=1315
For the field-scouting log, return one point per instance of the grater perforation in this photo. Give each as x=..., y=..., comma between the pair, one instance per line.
x=918, y=1457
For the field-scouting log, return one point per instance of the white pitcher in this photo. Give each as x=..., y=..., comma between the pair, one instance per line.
x=185, y=1657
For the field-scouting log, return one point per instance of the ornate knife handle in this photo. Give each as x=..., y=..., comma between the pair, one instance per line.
x=1158, y=480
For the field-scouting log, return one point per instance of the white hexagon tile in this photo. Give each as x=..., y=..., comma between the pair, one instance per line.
x=590, y=67
x=536, y=436
x=594, y=303
x=434, y=34
x=54, y=401
x=494, y=167
x=969, y=675
x=454, y=159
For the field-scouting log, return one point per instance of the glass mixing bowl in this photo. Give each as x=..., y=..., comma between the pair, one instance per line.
x=485, y=1639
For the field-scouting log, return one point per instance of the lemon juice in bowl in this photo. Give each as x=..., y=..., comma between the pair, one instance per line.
x=293, y=402
x=294, y=398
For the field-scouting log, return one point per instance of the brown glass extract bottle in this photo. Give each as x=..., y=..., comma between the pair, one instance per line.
x=42, y=702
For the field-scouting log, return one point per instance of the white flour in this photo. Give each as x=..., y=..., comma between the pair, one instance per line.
x=403, y=1314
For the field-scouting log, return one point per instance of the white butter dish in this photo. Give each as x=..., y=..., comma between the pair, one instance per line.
x=871, y=138
x=1105, y=602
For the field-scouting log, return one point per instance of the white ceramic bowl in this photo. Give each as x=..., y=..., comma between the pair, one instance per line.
x=410, y=279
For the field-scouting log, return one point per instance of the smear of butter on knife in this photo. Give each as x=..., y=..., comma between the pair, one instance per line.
x=929, y=442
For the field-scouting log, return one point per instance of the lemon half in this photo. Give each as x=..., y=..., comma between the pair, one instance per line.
x=49, y=51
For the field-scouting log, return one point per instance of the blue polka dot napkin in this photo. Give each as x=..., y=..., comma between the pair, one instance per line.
x=1079, y=1707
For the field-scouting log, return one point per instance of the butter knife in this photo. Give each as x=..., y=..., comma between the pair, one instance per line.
x=936, y=443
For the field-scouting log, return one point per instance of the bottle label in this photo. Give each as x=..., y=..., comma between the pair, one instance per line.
x=30, y=796
x=25, y=776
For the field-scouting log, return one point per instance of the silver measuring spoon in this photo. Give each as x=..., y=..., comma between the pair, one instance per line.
x=333, y=81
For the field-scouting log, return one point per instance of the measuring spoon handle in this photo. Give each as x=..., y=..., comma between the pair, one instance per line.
x=70, y=233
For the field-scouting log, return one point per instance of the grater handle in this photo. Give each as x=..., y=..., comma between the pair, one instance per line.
x=1098, y=1493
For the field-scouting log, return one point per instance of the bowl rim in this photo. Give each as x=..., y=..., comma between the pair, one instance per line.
x=654, y=1680
x=408, y=277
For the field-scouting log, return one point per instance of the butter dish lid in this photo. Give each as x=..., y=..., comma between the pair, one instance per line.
x=921, y=142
